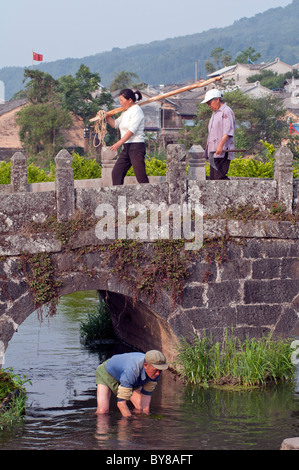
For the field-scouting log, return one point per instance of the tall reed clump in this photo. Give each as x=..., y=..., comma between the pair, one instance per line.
x=12, y=398
x=97, y=326
x=253, y=362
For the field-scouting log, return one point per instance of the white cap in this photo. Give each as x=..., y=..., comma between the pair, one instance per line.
x=214, y=93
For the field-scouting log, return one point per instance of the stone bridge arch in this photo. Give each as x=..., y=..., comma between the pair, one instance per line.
x=250, y=284
x=138, y=322
x=248, y=277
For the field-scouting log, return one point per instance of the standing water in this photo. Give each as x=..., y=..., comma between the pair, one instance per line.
x=61, y=402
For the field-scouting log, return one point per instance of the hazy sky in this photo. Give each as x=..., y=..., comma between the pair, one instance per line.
x=76, y=28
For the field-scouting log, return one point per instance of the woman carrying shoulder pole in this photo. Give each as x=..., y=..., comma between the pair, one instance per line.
x=131, y=126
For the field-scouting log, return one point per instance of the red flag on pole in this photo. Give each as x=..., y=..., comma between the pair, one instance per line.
x=37, y=57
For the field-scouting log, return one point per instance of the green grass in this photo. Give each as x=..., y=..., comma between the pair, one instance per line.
x=12, y=398
x=97, y=325
x=251, y=363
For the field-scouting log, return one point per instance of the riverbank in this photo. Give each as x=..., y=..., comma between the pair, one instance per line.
x=12, y=398
x=60, y=410
x=253, y=362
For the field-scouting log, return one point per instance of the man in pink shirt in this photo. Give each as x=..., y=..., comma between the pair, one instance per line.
x=221, y=134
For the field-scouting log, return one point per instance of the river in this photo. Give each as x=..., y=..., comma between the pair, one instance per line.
x=61, y=404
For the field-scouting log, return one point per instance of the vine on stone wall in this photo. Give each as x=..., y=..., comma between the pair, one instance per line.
x=147, y=267
x=64, y=230
x=39, y=272
x=162, y=265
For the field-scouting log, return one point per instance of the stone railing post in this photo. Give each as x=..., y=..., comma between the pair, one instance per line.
x=64, y=185
x=108, y=162
x=283, y=174
x=19, y=180
x=176, y=173
x=197, y=169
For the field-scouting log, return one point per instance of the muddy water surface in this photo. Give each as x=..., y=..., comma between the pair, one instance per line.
x=62, y=399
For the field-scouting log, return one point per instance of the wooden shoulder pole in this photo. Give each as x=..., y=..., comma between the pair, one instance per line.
x=200, y=84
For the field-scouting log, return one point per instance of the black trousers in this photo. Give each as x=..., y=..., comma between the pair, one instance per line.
x=131, y=155
x=222, y=165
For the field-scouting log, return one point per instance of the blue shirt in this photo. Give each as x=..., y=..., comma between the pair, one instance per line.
x=128, y=369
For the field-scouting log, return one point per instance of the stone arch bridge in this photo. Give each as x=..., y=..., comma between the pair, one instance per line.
x=245, y=276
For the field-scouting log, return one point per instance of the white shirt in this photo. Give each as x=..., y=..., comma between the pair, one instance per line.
x=131, y=120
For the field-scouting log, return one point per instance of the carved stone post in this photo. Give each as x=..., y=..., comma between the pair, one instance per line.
x=108, y=162
x=176, y=173
x=19, y=180
x=64, y=185
x=197, y=170
x=283, y=174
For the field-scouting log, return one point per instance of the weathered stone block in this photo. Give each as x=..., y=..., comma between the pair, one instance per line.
x=288, y=322
x=64, y=185
x=235, y=269
x=290, y=268
x=271, y=291
x=197, y=170
x=266, y=268
x=203, y=272
x=283, y=174
x=19, y=180
x=258, y=315
x=193, y=296
x=176, y=173
x=223, y=294
x=205, y=318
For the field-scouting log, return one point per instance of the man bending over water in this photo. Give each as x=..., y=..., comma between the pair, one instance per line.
x=130, y=376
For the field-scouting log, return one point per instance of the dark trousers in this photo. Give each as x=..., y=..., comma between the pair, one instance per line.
x=222, y=165
x=131, y=155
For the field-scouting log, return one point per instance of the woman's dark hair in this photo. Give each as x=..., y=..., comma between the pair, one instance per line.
x=128, y=93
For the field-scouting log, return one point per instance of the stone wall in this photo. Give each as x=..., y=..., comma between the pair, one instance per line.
x=252, y=285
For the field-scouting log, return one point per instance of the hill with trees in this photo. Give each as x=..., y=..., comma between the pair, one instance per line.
x=272, y=34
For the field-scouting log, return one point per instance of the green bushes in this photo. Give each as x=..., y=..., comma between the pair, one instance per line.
x=12, y=398
x=85, y=168
x=153, y=166
x=5, y=168
x=251, y=168
x=254, y=362
x=98, y=325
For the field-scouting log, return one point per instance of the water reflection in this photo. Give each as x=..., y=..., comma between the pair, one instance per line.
x=62, y=399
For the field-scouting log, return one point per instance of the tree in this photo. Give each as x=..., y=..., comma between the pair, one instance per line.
x=220, y=59
x=247, y=55
x=77, y=93
x=271, y=79
x=210, y=68
x=216, y=55
x=256, y=120
x=123, y=80
x=41, y=87
x=40, y=128
x=43, y=119
x=268, y=119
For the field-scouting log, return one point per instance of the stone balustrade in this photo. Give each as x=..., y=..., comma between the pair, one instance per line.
x=195, y=188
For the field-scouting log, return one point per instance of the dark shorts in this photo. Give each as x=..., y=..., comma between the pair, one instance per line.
x=104, y=378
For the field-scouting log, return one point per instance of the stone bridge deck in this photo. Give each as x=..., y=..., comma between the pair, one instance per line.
x=245, y=277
